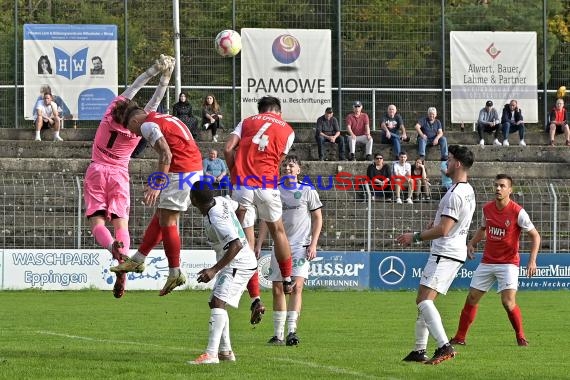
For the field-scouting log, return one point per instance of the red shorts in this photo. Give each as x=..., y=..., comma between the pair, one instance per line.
x=106, y=188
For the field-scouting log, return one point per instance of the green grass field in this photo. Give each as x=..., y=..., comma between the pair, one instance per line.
x=356, y=335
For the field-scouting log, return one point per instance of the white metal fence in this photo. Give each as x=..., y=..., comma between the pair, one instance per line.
x=45, y=210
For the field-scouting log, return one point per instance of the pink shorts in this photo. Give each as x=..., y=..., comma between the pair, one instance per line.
x=107, y=188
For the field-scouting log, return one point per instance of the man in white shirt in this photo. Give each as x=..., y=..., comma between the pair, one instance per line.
x=448, y=235
x=47, y=115
x=402, y=173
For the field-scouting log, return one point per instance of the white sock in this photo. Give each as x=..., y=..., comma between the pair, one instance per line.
x=218, y=319
x=422, y=333
x=433, y=322
x=138, y=257
x=56, y=133
x=225, y=344
x=292, y=321
x=38, y=135
x=279, y=324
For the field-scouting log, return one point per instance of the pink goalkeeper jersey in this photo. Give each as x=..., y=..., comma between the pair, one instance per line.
x=113, y=143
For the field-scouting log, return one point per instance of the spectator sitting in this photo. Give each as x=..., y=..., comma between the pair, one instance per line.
x=47, y=116
x=358, y=128
x=512, y=121
x=328, y=130
x=183, y=110
x=558, y=122
x=379, y=174
x=393, y=126
x=403, y=171
x=212, y=116
x=488, y=121
x=446, y=181
x=216, y=168
x=430, y=132
x=422, y=186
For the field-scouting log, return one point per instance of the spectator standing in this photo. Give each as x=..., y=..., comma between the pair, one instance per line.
x=502, y=222
x=358, y=128
x=379, y=174
x=558, y=122
x=212, y=116
x=422, y=186
x=328, y=130
x=512, y=121
x=394, y=131
x=488, y=122
x=182, y=109
x=430, y=132
x=403, y=173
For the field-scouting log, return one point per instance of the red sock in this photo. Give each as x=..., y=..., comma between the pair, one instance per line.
x=152, y=236
x=122, y=234
x=253, y=285
x=516, y=320
x=286, y=267
x=467, y=317
x=102, y=235
x=171, y=242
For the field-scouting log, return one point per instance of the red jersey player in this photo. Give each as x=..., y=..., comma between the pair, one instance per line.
x=254, y=152
x=179, y=166
x=501, y=225
x=106, y=186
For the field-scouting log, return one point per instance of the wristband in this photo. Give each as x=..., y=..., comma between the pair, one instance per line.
x=417, y=237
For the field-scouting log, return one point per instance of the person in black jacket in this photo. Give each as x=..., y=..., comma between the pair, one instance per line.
x=183, y=110
x=379, y=175
x=512, y=121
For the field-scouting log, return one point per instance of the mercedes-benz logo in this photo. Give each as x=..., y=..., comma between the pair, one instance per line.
x=392, y=270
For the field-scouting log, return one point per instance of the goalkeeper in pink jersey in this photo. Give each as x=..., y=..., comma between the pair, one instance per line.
x=106, y=185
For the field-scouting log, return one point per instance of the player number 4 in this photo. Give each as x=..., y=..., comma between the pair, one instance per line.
x=260, y=139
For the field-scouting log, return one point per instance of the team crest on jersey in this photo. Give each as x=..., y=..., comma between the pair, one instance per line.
x=297, y=195
x=507, y=223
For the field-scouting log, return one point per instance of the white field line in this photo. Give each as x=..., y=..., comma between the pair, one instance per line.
x=113, y=341
x=337, y=370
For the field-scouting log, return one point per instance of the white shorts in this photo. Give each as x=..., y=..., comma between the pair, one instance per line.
x=230, y=285
x=506, y=275
x=176, y=196
x=439, y=273
x=267, y=202
x=300, y=264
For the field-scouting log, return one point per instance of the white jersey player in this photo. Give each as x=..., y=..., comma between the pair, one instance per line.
x=302, y=220
x=448, y=234
x=235, y=265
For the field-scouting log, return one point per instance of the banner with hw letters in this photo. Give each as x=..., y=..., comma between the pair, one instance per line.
x=496, y=66
x=293, y=65
x=77, y=62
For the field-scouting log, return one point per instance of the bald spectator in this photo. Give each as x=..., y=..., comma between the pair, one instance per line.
x=392, y=125
x=430, y=133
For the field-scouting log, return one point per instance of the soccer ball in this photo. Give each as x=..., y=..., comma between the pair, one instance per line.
x=228, y=43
